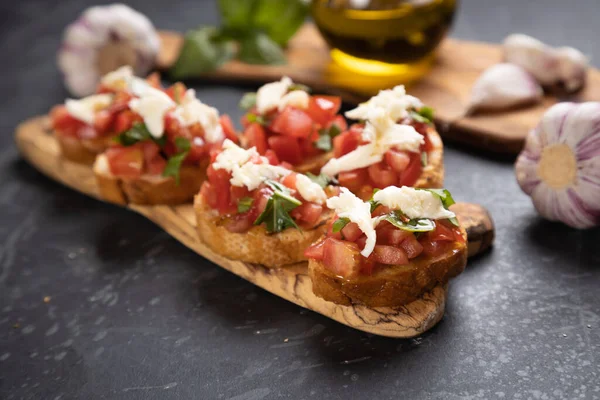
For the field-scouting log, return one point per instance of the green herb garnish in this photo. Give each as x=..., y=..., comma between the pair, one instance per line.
x=248, y=101
x=339, y=224
x=325, y=137
x=276, y=213
x=447, y=200
x=259, y=119
x=138, y=133
x=244, y=204
x=423, y=114
x=174, y=163
x=400, y=221
x=321, y=179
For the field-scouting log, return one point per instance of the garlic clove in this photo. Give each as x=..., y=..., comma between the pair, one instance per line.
x=560, y=164
x=103, y=39
x=503, y=86
x=572, y=67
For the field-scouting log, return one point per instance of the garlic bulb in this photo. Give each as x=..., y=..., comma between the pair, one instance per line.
x=560, y=164
x=503, y=86
x=561, y=67
x=103, y=39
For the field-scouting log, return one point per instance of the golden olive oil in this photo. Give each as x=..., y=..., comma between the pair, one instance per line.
x=383, y=36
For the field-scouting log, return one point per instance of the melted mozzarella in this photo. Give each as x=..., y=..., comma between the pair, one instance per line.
x=269, y=95
x=193, y=111
x=413, y=203
x=295, y=98
x=118, y=79
x=233, y=156
x=85, y=109
x=152, y=107
x=347, y=205
x=309, y=190
x=395, y=102
x=361, y=157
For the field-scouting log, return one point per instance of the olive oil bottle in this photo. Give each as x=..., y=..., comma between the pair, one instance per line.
x=384, y=37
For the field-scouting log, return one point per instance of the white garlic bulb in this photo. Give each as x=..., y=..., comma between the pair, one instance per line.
x=103, y=39
x=503, y=86
x=560, y=164
x=565, y=66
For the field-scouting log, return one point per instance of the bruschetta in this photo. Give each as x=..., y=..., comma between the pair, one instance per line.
x=283, y=117
x=394, y=144
x=159, y=145
x=252, y=210
x=388, y=251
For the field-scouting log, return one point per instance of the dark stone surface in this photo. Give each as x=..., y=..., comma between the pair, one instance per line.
x=133, y=314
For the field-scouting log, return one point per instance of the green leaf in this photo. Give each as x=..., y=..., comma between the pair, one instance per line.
x=424, y=159
x=174, y=163
x=321, y=179
x=280, y=19
x=325, y=135
x=276, y=214
x=447, y=201
x=244, y=204
x=397, y=219
x=258, y=48
x=202, y=51
x=237, y=14
x=248, y=101
x=339, y=224
x=423, y=115
x=137, y=133
x=299, y=86
x=259, y=119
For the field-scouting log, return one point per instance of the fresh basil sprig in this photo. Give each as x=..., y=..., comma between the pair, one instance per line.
x=339, y=224
x=447, y=200
x=325, y=137
x=400, y=221
x=138, y=133
x=244, y=204
x=174, y=163
x=276, y=213
x=423, y=114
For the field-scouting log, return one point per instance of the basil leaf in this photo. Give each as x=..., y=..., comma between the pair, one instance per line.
x=248, y=101
x=424, y=159
x=276, y=214
x=321, y=179
x=258, y=48
x=413, y=225
x=174, y=163
x=426, y=112
x=202, y=51
x=137, y=133
x=339, y=224
x=244, y=204
x=444, y=196
x=325, y=135
x=279, y=19
x=259, y=119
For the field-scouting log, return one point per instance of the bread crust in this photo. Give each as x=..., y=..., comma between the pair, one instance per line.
x=256, y=245
x=81, y=151
x=433, y=173
x=148, y=189
x=392, y=286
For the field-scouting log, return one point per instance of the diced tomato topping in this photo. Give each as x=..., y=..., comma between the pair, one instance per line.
x=125, y=120
x=390, y=255
x=382, y=175
x=392, y=235
x=412, y=173
x=345, y=142
x=315, y=251
x=272, y=157
x=126, y=161
x=341, y=257
x=239, y=223
x=354, y=180
x=307, y=212
x=176, y=91
x=286, y=148
x=103, y=120
x=63, y=123
x=340, y=122
x=290, y=181
x=292, y=122
x=351, y=232
x=228, y=128
x=256, y=136
x=323, y=108
x=411, y=247
x=397, y=160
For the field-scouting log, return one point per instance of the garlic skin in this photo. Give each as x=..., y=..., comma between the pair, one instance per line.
x=560, y=165
x=503, y=86
x=564, y=67
x=103, y=39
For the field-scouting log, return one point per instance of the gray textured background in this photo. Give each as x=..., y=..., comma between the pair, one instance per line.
x=135, y=315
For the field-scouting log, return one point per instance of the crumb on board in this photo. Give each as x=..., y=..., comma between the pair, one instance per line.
x=47, y=299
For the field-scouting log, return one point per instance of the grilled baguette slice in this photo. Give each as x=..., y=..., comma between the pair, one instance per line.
x=82, y=151
x=256, y=245
x=148, y=189
x=390, y=286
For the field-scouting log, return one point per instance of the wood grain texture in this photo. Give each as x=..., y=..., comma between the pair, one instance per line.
x=292, y=283
x=446, y=88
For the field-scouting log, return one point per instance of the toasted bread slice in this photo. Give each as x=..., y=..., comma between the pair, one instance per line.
x=433, y=173
x=391, y=286
x=313, y=164
x=148, y=189
x=82, y=151
x=256, y=245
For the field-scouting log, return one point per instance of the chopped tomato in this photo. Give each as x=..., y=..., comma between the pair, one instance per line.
x=290, y=181
x=323, y=108
x=228, y=128
x=340, y=122
x=381, y=175
x=341, y=257
x=392, y=235
x=126, y=161
x=156, y=165
x=390, y=255
x=354, y=180
x=176, y=91
x=272, y=157
x=103, y=120
x=351, y=232
x=238, y=192
x=307, y=212
x=411, y=246
x=124, y=121
x=446, y=232
x=315, y=251
x=292, y=122
x=286, y=148
x=412, y=173
x=257, y=137
x=345, y=142
x=64, y=123
x=397, y=160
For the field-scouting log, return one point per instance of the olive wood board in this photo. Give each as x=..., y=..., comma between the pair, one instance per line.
x=38, y=146
x=446, y=87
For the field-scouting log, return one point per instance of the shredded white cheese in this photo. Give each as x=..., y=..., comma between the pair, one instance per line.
x=413, y=203
x=309, y=190
x=295, y=98
x=124, y=79
x=347, y=205
x=152, y=107
x=269, y=95
x=193, y=111
x=85, y=109
x=361, y=157
x=395, y=102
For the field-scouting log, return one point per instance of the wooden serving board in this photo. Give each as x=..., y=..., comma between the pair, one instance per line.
x=446, y=88
x=38, y=146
